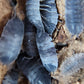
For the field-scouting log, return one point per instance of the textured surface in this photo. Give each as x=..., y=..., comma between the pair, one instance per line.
x=29, y=42
x=47, y=52
x=61, y=8
x=34, y=70
x=72, y=64
x=61, y=33
x=49, y=15
x=5, y=13
x=3, y=70
x=74, y=46
x=11, y=76
x=11, y=40
x=33, y=14
x=74, y=16
x=21, y=9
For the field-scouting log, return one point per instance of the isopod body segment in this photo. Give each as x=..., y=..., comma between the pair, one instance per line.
x=72, y=64
x=74, y=12
x=11, y=40
x=49, y=15
x=34, y=70
x=33, y=14
x=47, y=52
x=29, y=42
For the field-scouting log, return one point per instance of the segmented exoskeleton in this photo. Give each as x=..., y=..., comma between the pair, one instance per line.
x=33, y=14
x=49, y=15
x=74, y=16
x=11, y=40
x=47, y=52
x=43, y=12
x=12, y=76
x=29, y=42
x=72, y=64
x=33, y=70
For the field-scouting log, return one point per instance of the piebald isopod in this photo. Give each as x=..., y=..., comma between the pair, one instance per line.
x=72, y=64
x=11, y=40
x=34, y=70
x=29, y=42
x=49, y=15
x=47, y=52
x=74, y=16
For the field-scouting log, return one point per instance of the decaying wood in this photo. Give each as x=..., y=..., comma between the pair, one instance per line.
x=5, y=13
x=3, y=70
x=20, y=9
x=74, y=45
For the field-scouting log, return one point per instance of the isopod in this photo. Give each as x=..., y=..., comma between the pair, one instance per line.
x=47, y=52
x=33, y=70
x=74, y=16
x=29, y=42
x=72, y=64
x=11, y=76
x=49, y=15
x=11, y=40
x=33, y=14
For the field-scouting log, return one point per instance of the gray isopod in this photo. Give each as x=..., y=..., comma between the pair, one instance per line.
x=29, y=42
x=47, y=52
x=33, y=14
x=72, y=64
x=74, y=16
x=11, y=40
x=33, y=70
x=49, y=15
